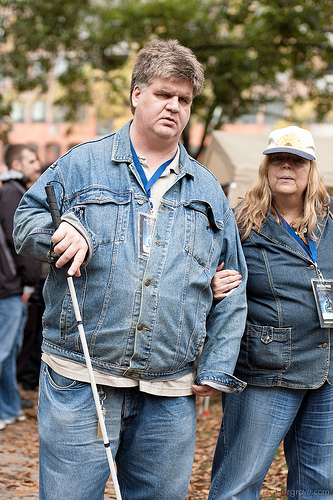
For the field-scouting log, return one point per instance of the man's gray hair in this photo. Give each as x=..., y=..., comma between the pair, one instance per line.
x=166, y=59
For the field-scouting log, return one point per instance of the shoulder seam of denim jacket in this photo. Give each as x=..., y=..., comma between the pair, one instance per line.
x=82, y=144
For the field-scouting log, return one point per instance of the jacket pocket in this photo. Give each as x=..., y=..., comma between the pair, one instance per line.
x=199, y=232
x=268, y=348
x=105, y=213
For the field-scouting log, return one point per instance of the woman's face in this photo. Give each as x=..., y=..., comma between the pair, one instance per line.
x=288, y=174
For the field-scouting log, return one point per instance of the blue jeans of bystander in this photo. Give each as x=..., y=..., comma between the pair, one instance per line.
x=12, y=318
x=152, y=439
x=254, y=424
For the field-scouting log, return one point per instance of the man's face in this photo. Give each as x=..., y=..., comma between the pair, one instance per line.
x=29, y=165
x=163, y=108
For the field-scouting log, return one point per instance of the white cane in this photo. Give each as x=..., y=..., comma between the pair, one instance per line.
x=54, y=209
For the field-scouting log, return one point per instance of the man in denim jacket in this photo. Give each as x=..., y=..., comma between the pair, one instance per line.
x=143, y=254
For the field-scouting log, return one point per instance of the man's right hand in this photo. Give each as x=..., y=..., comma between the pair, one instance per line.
x=69, y=244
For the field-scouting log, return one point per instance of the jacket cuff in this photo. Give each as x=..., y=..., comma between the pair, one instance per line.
x=221, y=381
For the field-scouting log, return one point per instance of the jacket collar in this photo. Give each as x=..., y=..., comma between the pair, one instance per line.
x=273, y=231
x=9, y=175
x=121, y=151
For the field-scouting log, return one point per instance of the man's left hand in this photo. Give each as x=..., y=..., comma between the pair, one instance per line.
x=205, y=390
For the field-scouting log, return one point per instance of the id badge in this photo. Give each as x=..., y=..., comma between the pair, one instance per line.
x=323, y=292
x=146, y=231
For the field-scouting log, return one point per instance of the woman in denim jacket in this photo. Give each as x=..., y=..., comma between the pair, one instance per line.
x=285, y=356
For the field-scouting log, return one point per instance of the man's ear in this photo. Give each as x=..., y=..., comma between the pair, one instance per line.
x=135, y=96
x=16, y=165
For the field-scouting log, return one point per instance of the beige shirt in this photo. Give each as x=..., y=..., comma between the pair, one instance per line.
x=177, y=387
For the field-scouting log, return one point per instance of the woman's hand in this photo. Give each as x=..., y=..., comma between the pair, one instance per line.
x=224, y=282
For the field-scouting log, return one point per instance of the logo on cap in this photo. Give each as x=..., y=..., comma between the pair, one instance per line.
x=291, y=140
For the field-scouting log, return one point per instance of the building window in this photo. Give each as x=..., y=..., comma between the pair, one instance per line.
x=38, y=113
x=18, y=112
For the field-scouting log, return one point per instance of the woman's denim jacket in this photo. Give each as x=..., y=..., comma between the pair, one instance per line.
x=143, y=318
x=283, y=344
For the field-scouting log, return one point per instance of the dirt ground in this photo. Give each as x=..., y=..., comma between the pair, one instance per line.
x=19, y=458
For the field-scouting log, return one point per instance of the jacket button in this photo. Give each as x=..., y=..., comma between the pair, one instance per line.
x=140, y=202
x=140, y=327
x=324, y=345
x=312, y=266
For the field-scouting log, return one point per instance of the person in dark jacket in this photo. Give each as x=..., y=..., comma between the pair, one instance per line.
x=18, y=279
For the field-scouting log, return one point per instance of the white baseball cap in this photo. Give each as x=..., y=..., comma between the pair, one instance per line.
x=293, y=140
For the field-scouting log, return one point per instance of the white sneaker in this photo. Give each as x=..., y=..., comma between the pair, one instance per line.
x=2, y=425
x=9, y=421
x=20, y=417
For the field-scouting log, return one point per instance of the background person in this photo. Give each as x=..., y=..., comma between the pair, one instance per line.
x=286, y=356
x=22, y=163
x=24, y=168
x=150, y=253
x=18, y=279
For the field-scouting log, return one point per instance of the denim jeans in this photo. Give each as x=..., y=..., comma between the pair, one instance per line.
x=152, y=439
x=12, y=320
x=254, y=424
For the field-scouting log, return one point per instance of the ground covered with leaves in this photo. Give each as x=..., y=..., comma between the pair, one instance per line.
x=19, y=458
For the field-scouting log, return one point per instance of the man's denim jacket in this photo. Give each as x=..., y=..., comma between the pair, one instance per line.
x=284, y=344
x=143, y=318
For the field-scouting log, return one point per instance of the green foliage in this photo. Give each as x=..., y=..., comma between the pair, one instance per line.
x=252, y=51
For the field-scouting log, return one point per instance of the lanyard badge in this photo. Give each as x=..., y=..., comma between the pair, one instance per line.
x=323, y=293
x=146, y=231
x=147, y=221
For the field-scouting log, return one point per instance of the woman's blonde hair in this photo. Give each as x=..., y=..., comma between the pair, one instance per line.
x=258, y=200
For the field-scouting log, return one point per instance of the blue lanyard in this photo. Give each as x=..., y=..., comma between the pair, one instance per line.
x=147, y=184
x=312, y=250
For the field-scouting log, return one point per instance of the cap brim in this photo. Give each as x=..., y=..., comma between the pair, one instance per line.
x=292, y=151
